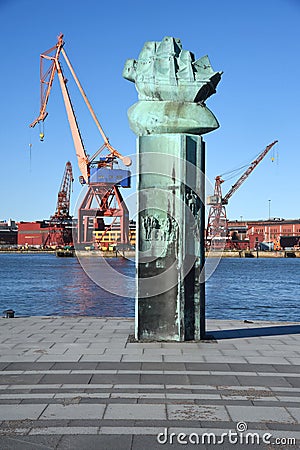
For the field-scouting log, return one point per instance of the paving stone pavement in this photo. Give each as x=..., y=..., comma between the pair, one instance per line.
x=80, y=383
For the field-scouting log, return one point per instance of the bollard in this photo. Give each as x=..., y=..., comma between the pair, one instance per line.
x=9, y=313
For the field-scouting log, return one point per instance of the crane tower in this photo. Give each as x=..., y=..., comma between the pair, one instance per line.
x=60, y=224
x=60, y=232
x=216, y=231
x=64, y=194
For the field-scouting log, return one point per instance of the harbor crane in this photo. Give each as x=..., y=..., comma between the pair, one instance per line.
x=60, y=224
x=64, y=194
x=217, y=218
x=98, y=173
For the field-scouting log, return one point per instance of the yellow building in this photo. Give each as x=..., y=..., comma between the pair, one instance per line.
x=108, y=239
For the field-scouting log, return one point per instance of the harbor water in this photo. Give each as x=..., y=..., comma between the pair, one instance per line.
x=239, y=288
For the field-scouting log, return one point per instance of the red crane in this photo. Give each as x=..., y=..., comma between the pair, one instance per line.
x=99, y=174
x=217, y=219
x=64, y=194
x=60, y=225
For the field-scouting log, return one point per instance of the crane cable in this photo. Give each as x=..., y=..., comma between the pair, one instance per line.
x=30, y=149
x=247, y=164
x=238, y=171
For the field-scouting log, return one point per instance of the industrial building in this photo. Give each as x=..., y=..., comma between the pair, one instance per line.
x=33, y=234
x=109, y=238
x=271, y=234
x=42, y=234
x=275, y=233
x=8, y=234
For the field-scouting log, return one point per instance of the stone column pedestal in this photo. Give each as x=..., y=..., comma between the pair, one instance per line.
x=170, y=233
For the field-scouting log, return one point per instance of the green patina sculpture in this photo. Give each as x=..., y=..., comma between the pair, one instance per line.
x=169, y=119
x=172, y=88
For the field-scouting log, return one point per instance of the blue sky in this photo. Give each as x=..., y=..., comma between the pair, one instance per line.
x=256, y=43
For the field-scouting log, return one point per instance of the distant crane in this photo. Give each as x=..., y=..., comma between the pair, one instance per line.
x=102, y=178
x=60, y=224
x=64, y=194
x=217, y=218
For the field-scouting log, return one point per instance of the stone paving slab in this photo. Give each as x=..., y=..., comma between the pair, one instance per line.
x=29, y=442
x=21, y=412
x=79, y=383
x=73, y=411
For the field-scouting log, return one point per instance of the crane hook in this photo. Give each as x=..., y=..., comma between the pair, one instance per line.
x=42, y=132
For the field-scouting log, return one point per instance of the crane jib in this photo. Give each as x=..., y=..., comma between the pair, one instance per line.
x=47, y=77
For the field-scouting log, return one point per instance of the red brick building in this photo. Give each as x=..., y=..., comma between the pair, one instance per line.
x=280, y=233
x=41, y=234
x=32, y=234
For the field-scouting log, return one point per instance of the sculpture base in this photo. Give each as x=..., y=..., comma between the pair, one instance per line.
x=170, y=245
x=157, y=117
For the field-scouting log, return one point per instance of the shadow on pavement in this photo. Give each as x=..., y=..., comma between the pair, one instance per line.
x=278, y=330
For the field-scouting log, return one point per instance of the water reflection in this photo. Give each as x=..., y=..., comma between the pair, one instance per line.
x=114, y=275
x=46, y=285
x=252, y=289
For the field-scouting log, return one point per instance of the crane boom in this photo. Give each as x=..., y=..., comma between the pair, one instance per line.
x=247, y=173
x=113, y=151
x=47, y=78
x=77, y=139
